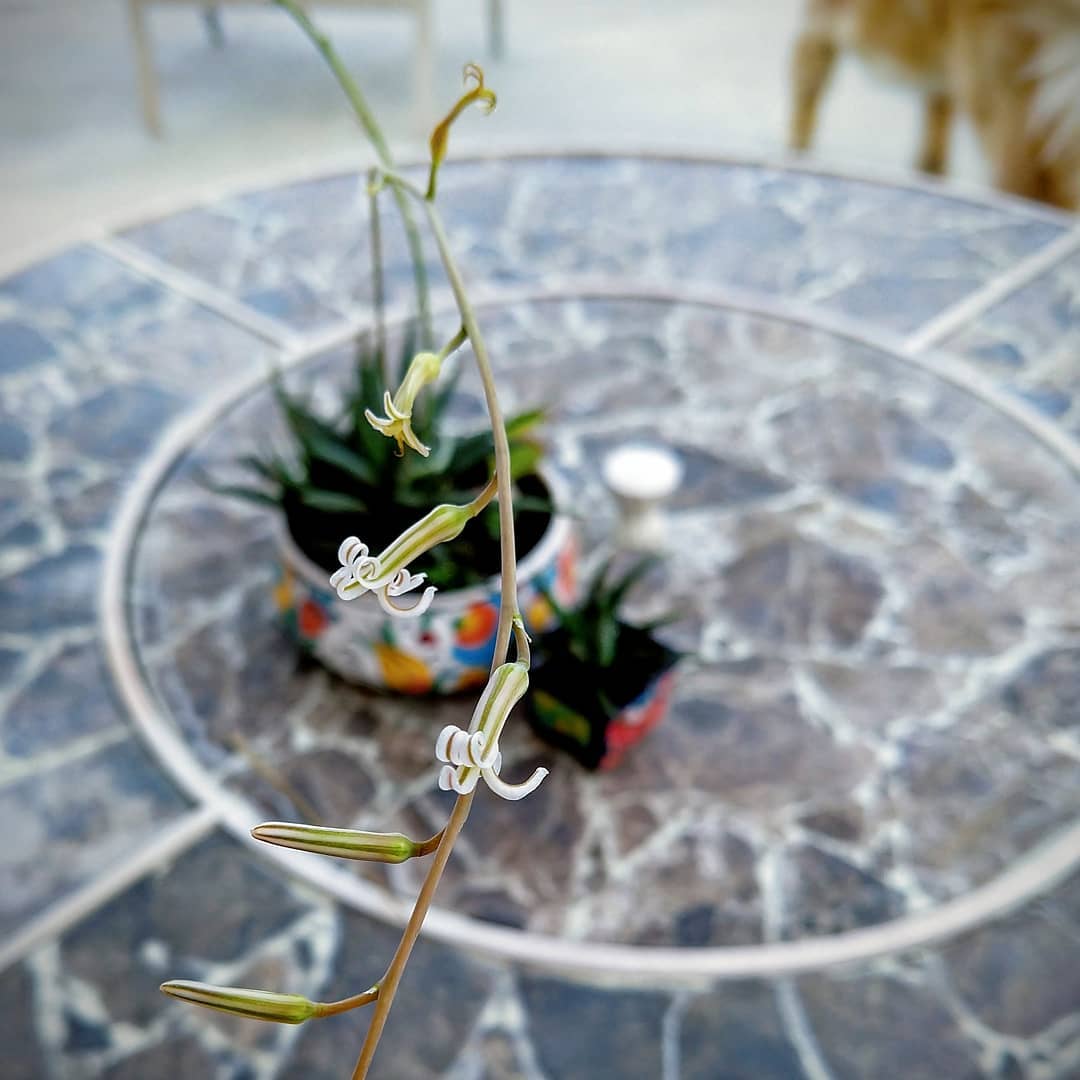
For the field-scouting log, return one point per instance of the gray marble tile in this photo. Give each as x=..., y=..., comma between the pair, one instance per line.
x=869, y=1024
x=893, y=256
x=70, y=822
x=1030, y=341
x=735, y=1033
x=438, y=1002
x=21, y=1056
x=581, y=1032
x=1020, y=976
x=217, y=913
x=68, y=696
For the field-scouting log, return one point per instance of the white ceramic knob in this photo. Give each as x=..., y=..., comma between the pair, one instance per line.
x=642, y=476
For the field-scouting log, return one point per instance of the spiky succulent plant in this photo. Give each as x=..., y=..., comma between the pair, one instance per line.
x=595, y=654
x=340, y=475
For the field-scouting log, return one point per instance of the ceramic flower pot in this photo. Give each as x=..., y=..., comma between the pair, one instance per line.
x=448, y=648
x=564, y=714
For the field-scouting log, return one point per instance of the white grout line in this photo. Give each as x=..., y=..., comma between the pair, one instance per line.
x=209, y=296
x=993, y=292
x=800, y=1033
x=17, y=770
x=173, y=840
x=1028, y=877
x=963, y=374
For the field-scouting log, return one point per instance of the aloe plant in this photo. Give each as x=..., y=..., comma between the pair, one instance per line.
x=340, y=475
x=595, y=657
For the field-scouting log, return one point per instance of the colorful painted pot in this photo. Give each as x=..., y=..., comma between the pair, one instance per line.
x=596, y=740
x=448, y=648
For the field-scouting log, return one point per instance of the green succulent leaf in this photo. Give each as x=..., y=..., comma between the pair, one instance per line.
x=333, y=502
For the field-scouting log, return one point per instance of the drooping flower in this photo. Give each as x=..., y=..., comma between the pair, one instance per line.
x=475, y=91
x=397, y=424
x=475, y=753
x=387, y=574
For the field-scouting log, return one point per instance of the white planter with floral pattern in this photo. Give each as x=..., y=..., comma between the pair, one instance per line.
x=448, y=648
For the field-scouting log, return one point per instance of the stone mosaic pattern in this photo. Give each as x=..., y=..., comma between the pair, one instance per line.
x=891, y=256
x=1030, y=343
x=897, y=658
x=875, y=602
x=86, y=1005
x=94, y=361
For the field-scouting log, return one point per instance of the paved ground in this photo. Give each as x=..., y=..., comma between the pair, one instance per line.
x=694, y=73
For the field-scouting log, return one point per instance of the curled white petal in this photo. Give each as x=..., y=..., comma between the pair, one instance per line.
x=513, y=792
x=442, y=743
x=476, y=742
x=459, y=748
x=349, y=549
x=418, y=608
x=403, y=582
x=365, y=569
x=456, y=782
x=341, y=577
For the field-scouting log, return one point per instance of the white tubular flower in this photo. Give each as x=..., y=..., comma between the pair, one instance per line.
x=424, y=368
x=387, y=574
x=473, y=754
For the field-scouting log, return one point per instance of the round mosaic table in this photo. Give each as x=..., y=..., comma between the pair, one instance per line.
x=849, y=851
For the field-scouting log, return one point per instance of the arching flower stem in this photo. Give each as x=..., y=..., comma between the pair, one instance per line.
x=507, y=613
x=382, y=149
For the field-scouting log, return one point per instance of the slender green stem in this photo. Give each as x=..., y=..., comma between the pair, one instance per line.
x=382, y=149
x=389, y=983
x=490, y=490
x=429, y=845
x=454, y=344
x=333, y=1008
x=378, y=297
x=507, y=614
x=507, y=544
x=387, y=986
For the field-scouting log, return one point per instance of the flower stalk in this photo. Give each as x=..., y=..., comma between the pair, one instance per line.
x=378, y=141
x=468, y=755
x=387, y=574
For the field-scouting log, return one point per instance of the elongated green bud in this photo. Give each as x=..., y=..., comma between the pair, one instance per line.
x=254, y=1004
x=340, y=843
x=436, y=527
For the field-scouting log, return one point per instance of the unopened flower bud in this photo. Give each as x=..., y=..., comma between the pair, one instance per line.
x=254, y=1004
x=339, y=843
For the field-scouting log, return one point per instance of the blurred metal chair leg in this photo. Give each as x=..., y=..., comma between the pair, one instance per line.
x=496, y=30
x=423, y=67
x=214, y=29
x=144, y=68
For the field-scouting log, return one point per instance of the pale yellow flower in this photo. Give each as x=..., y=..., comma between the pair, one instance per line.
x=397, y=424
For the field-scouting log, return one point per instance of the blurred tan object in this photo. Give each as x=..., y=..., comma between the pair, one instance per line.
x=1013, y=66
x=149, y=97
